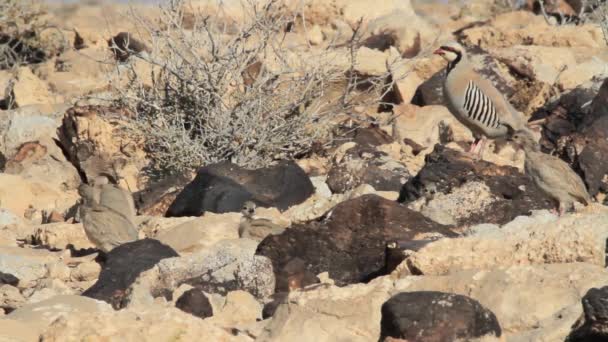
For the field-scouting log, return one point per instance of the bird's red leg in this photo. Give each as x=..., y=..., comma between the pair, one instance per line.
x=474, y=145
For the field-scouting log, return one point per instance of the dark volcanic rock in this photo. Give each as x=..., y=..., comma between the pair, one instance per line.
x=447, y=169
x=123, y=265
x=195, y=302
x=593, y=325
x=9, y=279
x=349, y=242
x=224, y=187
x=124, y=45
x=156, y=198
x=435, y=317
x=364, y=165
x=579, y=134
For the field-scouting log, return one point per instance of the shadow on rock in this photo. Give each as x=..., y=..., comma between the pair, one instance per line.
x=123, y=265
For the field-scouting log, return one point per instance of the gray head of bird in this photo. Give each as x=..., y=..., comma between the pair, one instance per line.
x=451, y=52
x=87, y=193
x=248, y=209
x=525, y=140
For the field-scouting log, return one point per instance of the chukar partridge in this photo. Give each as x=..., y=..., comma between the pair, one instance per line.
x=105, y=227
x=256, y=228
x=111, y=195
x=474, y=101
x=551, y=174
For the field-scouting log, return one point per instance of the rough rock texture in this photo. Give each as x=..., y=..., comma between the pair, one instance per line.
x=201, y=232
x=525, y=28
x=435, y=317
x=326, y=313
x=224, y=187
x=348, y=242
x=27, y=265
x=57, y=236
x=446, y=170
x=156, y=198
x=579, y=135
x=593, y=325
x=96, y=140
x=155, y=323
x=227, y=266
x=522, y=297
x=538, y=240
x=40, y=315
x=29, y=197
x=195, y=302
x=122, y=267
x=365, y=165
x=423, y=127
x=10, y=298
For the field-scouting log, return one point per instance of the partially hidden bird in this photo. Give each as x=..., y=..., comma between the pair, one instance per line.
x=256, y=228
x=551, y=174
x=105, y=227
x=475, y=101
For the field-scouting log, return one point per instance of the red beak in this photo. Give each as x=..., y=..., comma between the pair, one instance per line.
x=439, y=52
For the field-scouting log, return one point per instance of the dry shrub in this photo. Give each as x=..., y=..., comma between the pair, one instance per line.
x=19, y=22
x=220, y=89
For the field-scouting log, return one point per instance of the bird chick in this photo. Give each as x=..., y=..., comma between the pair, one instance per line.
x=475, y=101
x=256, y=228
x=551, y=174
x=105, y=227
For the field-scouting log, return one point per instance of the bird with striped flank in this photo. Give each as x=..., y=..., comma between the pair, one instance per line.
x=474, y=101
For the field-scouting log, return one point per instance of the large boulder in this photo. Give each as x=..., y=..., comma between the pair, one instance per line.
x=224, y=187
x=494, y=194
x=436, y=316
x=349, y=242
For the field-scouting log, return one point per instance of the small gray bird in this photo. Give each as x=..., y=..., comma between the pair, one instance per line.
x=474, y=101
x=256, y=228
x=111, y=195
x=105, y=227
x=551, y=174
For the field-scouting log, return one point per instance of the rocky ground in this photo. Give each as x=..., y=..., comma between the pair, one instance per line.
x=391, y=232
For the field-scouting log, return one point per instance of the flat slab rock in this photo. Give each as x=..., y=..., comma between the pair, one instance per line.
x=446, y=169
x=349, y=242
x=432, y=316
x=224, y=187
x=122, y=267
